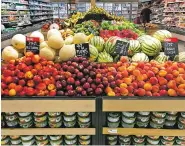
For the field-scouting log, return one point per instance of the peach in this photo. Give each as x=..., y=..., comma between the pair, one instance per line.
x=41, y=86
x=38, y=66
x=181, y=70
x=35, y=58
x=8, y=80
x=122, y=68
x=148, y=93
x=141, y=92
x=28, y=75
x=145, y=77
x=163, y=93
x=123, y=85
x=147, y=86
x=130, y=94
x=141, y=65
x=12, y=92
x=47, y=81
x=155, y=88
x=181, y=92
x=135, y=84
x=162, y=73
x=124, y=91
x=51, y=87
x=11, y=86
x=108, y=89
x=178, y=80
x=18, y=88
x=117, y=90
x=169, y=77
x=130, y=89
x=3, y=85
x=6, y=91
x=141, y=84
x=155, y=94
x=136, y=72
x=140, y=78
x=181, y=86
x=153, y=80
x=111, y=93
x=128, y=81
x=20, y=75
x=29, y=54
x=155, y=70
x=34, y=71
x=52, y=93
x=30, y=83
x=172, y=92
x=22, y=82
x=172, y=84
x=162, y=81
x=30, y=91
x=124, y=59
x=118, y=82
x=175, y=73
x=125, y=73
x=131, y=68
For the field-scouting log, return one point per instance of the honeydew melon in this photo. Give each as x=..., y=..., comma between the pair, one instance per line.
x=55, y=42
x=53, y=32
x=19, y=41
x=38, y=35
x=47, y=53
x=9, y=53
x=67, y=52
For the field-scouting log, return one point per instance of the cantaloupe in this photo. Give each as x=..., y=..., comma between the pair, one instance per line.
x=19, y=41
x=79, y=38
x=53, y=32
x=47, y=53
x=67, y=52
x=55, y=42
x=54, y=26
x=9, y=53
x=38, y=35
x=43, y=44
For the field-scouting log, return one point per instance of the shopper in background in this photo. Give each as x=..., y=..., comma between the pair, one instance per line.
x=145, y=14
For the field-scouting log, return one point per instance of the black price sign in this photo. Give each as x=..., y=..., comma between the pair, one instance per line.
x=122, y=48
x=171, y=47
x=82, y=50
x=32, y=44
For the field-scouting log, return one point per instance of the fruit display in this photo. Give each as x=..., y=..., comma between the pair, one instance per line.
x=121, y=29
x=87, y=27
x=162, y=35
x=52, y=140
x=180, y=57
x=43, y=119
x=144, y=140
x=156, y=120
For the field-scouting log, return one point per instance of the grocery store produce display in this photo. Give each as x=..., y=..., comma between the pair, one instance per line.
x=157, y=120
x=145, y=140
x=46, y=140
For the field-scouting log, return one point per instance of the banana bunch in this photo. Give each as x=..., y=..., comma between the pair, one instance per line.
x=67, y=32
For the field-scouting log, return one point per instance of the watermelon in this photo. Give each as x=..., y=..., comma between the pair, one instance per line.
x=161, y=58
x=134, y=47
x=93, y=53
x=110, y=44
x=161, y=35
x=150, y=45
x=98, y=42
x=180, y=57
x=140, y=57
x=105, y=57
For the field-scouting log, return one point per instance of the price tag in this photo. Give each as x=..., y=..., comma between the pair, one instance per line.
x=82, y=50
x=32, y=44
x=113, y=131
x=171, y=47
x=122, y=48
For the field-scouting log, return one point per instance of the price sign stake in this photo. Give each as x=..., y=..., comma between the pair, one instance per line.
x=32, y=44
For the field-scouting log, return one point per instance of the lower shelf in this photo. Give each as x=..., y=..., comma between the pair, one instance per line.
x=143, y=131
x=48, y=131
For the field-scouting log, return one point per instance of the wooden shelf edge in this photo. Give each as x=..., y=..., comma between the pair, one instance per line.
x=143, y=131
x=143, y=105
x=48, y=106
x=48, y=131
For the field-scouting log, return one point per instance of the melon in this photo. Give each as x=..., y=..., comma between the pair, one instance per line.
x=180, y=57
x=134, y=47
x=79, y=38
x=161, y=58
x=69, y=40
x=9, y=53
x=110, y=44
x=98, y=42
x=161, y=35
x=43, y=44
x=140, y=57
x=53, y=32
x=93, y=53
x=47, y=53
x=55, y=42
x=67, y=52
x=54, y=26
x=105, y=57
x=19, y=41
x=39, y=35
x=150, y=45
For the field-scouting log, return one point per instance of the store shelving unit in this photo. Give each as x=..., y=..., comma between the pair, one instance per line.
x=135, y=104
x=51, y=104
